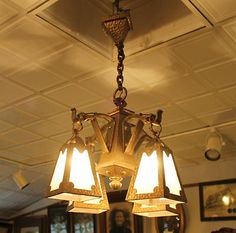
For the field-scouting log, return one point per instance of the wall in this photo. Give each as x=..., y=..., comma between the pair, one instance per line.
x=209, y=171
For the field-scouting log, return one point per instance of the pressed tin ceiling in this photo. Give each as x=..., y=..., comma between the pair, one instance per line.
x=181, y=57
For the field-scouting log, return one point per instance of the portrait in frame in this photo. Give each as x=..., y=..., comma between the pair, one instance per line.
x=218, y=200
x=120, y=215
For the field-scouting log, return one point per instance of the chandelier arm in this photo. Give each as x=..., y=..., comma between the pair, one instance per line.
x=99, y=135
x=134, y=138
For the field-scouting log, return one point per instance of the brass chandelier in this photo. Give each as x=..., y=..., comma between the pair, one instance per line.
x=129, y=146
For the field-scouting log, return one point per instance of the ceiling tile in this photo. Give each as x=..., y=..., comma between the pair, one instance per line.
x=27, y=4
x=63, y=119
x=230, y=28
x=219, y=76
x=187, y=87
x=30, y=39
x=229, y=132
x=219, y=117
x=11, y=92
x=72, y=62
x=104, y=83
x=4, y=126
x=219, y=10
x=171, y=114
x=62, y=138
x=17, y=117
x=5, y=193
x=155, y=65
x=9, y=61
x=41, y=107
x=72, y=95
x=20, y=136
x=190, y=153
x=208, y=48
x=180, y=126
x=46, y=128
x=146, y=98
x=6, y=12
x=12, y=156
x=35, y=77
x=229, y=95
x=38, y=148
x=202, y=105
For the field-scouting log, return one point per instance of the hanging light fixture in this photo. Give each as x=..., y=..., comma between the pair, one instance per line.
x=124, y=135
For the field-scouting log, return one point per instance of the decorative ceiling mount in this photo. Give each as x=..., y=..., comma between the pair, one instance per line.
x=129, y=145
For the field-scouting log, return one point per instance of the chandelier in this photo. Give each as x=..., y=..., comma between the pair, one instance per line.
x=128, y=144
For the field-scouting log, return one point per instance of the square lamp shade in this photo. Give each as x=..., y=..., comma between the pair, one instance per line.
x=155, y=210
x=95, y=206
x=74, y=177
x=156, y=180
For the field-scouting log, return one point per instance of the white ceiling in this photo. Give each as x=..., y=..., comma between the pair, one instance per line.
x=181, y=57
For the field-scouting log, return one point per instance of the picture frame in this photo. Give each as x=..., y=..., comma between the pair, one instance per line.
x=34, y=224
x=218, y=200
x=174, y=224
x=5, y=228
x=59, y=220
x=117, y=202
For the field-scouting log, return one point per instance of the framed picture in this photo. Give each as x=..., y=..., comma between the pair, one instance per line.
x=83, y=223
x=30, y=225
x=58, y=219
x=172, y=224
x=120, y=215
x=5, y=228
x=218, y=200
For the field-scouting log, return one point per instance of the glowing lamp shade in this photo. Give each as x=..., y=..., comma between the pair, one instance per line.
x=94, y=206
x=155, y=210
x=74, y=177
x=155, y=180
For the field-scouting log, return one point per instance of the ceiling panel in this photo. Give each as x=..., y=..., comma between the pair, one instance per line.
x=219, y=76
x=73, y=95
x=36, y=78
x=74, y=61
x=17, y=117
x=218, y=10
x=6, y=13
x=46, y=128
x=9, y=61
x=30, y=39
x=204, y=49
x=201, y=105
x=20, y=136
x=230, y=28
x=27, y=4
x=11, y=92
x=41, y=107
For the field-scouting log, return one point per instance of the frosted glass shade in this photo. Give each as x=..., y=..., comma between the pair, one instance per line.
x=94, y=206
x=156, y=180
x=74, y=177
x=154, y=211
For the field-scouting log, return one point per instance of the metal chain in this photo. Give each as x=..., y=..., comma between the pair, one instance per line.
x=120, y=93
x=120, y=66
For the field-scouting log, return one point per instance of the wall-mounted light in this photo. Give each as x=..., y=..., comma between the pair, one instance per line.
x=20, y=180
x=213, y=146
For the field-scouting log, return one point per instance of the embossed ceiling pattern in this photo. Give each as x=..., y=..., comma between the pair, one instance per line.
x=181, y=57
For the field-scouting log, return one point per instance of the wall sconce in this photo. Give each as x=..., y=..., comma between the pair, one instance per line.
x=214, y=146
x=20, y=180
